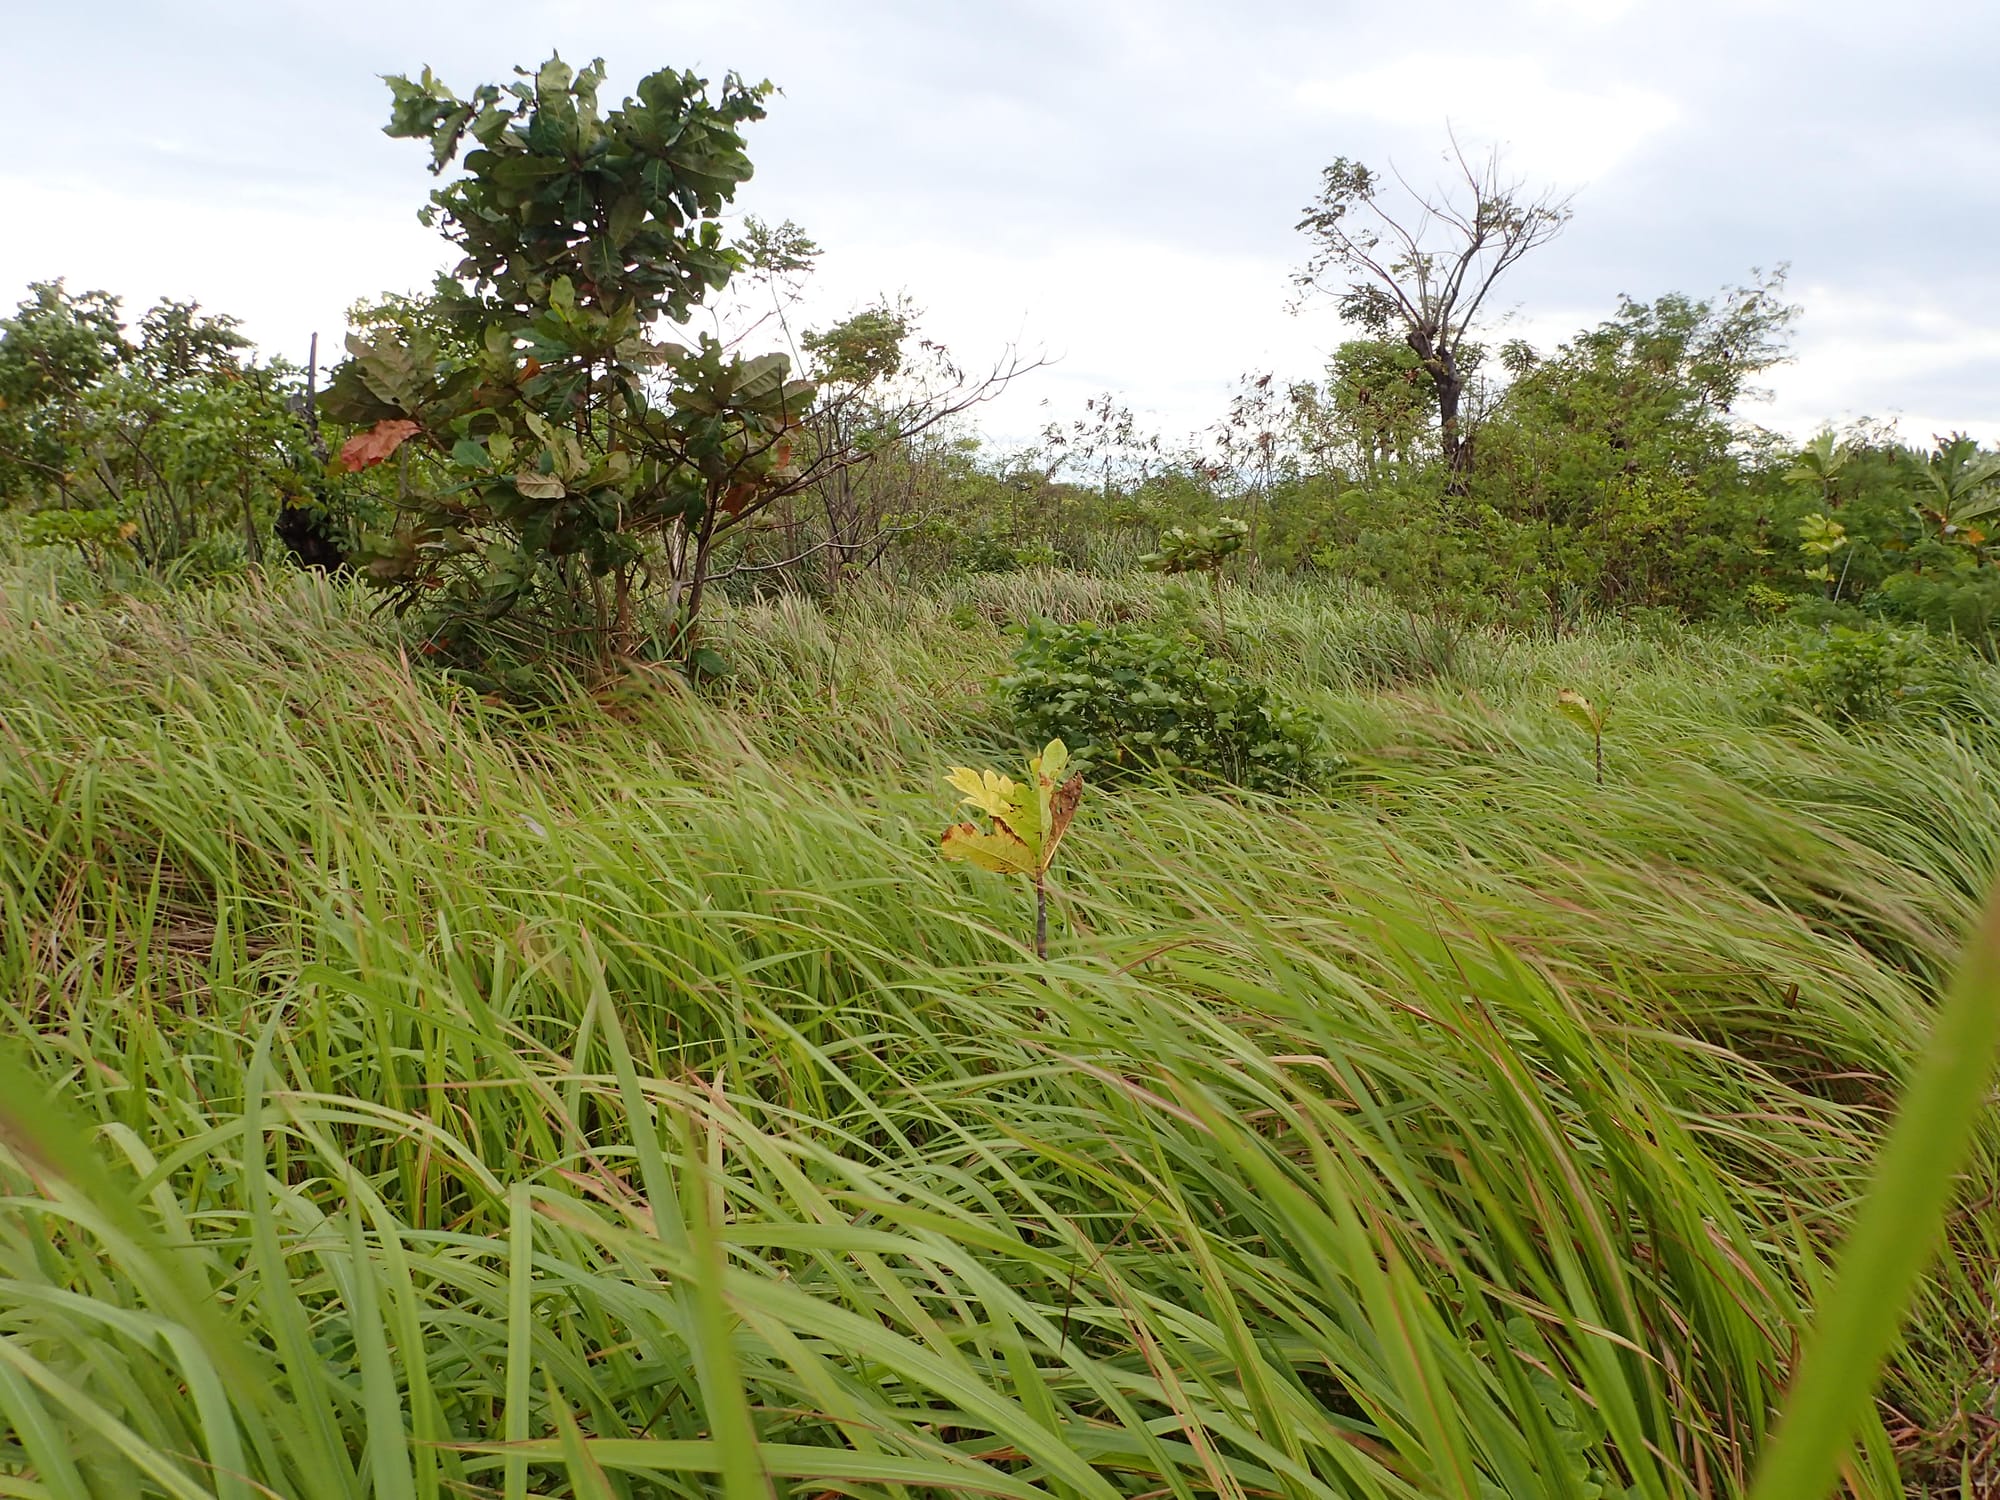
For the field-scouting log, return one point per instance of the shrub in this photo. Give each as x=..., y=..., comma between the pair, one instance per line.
x=1963, y=603
x=986, y=552
x=1125, y=698
x=1849, y=675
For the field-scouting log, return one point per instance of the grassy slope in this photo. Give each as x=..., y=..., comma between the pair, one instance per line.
x=1474, y=1131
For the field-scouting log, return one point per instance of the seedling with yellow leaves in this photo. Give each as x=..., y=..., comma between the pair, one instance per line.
x=1580, y=710
x=1028, y=823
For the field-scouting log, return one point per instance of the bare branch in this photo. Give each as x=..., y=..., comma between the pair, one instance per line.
x=1448, y=250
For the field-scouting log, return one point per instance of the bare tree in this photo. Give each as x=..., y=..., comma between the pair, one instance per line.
x=1424, y=263
x=882, y=395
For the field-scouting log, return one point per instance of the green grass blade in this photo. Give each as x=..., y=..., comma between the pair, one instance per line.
x=1895, y=1233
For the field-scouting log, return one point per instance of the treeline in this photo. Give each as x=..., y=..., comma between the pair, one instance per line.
x=530, y=457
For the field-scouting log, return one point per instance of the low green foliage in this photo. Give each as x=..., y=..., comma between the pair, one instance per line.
x=1849, y=674
x=1962, y=602
x=1129, y=698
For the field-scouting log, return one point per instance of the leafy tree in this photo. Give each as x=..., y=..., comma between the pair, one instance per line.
x=164, y=443
x=1818, y=467
x=1962, y=486
x=1421, y=265
x=56, y=349
x=1202, y=549
x=1618, y=462
x=582, y=467
x=1378, y=401
x=577, y=454
x=883, y=423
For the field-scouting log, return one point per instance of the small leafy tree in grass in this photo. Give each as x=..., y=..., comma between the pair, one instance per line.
x=1205, y=549
x=576, y=459
x=1028, y=822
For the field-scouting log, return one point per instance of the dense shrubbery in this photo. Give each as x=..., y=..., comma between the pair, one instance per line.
x=163, y=445
x=1850, y=675
x=1130, y=698
x=1963, y=602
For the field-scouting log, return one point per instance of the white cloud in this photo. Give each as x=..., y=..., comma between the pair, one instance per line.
x=1903, y=354
x=285, y=271
x=1168, y=326
x=1554, y=131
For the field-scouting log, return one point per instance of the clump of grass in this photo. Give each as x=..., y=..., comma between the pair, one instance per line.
x=633, y=1104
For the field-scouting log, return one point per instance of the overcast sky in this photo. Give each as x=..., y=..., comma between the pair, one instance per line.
x=1112, y=182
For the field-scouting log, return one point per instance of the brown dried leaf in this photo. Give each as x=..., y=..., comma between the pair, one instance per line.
x=366, y=449
x=1062, y=808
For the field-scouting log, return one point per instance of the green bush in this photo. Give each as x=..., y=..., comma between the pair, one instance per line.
x=986, y=552
x=1857, y=675
x=1126, y=698
x=1961, y=603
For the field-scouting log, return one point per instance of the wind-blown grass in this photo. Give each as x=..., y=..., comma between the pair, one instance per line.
x=629, y=1102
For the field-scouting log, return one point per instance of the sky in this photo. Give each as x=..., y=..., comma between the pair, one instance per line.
x=1110, y=185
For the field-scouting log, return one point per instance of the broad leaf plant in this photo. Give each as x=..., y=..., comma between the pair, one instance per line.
x=1025, y=824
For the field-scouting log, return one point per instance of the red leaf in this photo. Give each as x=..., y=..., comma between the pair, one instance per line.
x=366, y=449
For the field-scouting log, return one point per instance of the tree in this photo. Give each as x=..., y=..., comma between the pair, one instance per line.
x=578, y=458
x=1370, y=414
x=886, y=399
x=160, y=443
x=1963, y=488
x=1620, y=458
x=1423, y=269
x=1205, y=549
x=571, y=444
x=1818, y=465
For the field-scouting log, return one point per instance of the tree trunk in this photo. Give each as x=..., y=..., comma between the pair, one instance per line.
x=688, y=637
x=1456, y=446
x=1442, y=366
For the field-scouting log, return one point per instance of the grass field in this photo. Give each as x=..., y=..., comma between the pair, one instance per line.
x=626, y=1100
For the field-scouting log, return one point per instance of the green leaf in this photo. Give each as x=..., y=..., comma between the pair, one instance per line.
x=1579, y=710
x=627, y=214
x=539, y=486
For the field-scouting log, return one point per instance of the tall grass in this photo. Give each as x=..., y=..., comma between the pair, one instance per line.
x=630, y=1103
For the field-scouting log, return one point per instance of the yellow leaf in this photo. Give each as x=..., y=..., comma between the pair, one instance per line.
x=999, y=851
x=993, y=794
x=1580, y=709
